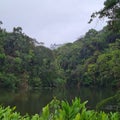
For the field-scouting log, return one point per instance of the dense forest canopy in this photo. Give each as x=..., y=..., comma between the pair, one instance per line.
x=24, y=64
x=91, y=60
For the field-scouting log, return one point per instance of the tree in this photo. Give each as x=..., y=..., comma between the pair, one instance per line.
x=111, y=10
x=17, y=30
x=0, y=25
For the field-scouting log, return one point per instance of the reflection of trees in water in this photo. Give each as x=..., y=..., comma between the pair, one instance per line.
x=33, y=101
x=6, y=97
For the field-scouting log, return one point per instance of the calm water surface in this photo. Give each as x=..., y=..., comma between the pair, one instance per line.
x=32, y=101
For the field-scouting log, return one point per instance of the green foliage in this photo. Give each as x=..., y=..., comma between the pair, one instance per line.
x=8, y=80
x=111, y=10
x=36, y=83
x=91, y=60
x=24, y=64
x=60, y=110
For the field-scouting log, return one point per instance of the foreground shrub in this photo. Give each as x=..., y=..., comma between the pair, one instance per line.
x=60, y=110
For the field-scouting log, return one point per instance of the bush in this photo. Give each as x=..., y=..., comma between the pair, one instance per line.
x=8, y=80
x=60, y=110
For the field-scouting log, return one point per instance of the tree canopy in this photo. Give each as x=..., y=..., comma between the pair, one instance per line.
x=111, y=10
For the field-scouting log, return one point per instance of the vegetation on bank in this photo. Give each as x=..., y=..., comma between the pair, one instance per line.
x=91, y=60
x=24, y=63
x=60, y=110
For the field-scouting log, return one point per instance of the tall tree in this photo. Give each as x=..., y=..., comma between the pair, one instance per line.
x=111, y=10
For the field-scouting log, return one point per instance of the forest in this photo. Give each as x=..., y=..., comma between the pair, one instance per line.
x=92, y=60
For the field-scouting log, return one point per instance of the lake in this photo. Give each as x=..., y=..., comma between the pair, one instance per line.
x=31, y=102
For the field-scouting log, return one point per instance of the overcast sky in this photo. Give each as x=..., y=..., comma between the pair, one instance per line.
x=51, y=21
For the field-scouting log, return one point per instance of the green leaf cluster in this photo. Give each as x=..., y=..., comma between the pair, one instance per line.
x=60, y=110
x=93, y=60
x=24, y=63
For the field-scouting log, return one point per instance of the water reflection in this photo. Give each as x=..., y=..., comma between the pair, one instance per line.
x=32, y=101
